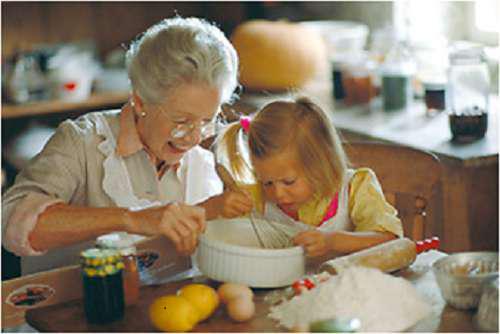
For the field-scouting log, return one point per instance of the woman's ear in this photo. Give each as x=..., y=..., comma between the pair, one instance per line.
x=137, y=105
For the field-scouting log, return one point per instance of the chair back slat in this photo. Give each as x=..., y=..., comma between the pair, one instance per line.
x=410, y=179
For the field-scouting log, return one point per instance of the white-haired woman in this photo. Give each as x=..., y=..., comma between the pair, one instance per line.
x=138, y=169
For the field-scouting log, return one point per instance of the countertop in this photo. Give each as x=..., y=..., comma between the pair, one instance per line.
x=415, y=128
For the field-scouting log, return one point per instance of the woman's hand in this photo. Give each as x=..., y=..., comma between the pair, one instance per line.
x=314, y=242
x=180, y=223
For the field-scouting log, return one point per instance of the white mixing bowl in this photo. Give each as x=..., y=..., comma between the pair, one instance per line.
x=229, y=252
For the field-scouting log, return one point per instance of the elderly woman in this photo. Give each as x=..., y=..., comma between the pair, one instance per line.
x=138, y=170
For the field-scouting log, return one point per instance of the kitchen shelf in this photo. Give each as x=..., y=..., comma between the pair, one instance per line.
x=96, y=100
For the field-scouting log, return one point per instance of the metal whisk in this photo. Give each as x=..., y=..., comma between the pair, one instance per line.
x=269, y=234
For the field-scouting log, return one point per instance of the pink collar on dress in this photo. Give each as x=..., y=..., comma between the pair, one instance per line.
x=332, y=209
x=330, y=212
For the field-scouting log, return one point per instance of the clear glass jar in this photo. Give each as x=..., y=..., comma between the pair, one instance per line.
x=467, y=98
x=397, y=74
x=358, y=80
x=124, y=244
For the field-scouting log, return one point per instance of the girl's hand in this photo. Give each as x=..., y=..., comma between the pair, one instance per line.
x=233, y=204
x=314, y=242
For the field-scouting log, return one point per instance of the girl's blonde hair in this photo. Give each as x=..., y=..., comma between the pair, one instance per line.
x=300, y=125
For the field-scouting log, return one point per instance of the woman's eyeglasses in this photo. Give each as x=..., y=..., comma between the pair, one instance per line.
x=183, y=128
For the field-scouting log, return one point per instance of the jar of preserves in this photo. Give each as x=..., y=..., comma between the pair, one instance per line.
x=102, y=285
x=124, y=244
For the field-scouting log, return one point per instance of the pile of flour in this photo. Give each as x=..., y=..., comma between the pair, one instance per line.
x=383, y=303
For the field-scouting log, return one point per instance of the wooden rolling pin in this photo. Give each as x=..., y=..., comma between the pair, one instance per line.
x=388, y=256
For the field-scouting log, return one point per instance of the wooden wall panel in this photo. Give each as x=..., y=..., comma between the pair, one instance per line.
x=109, y=24
x=66, y=22
x=117, y=23
x=226, y=14
x=22, y=26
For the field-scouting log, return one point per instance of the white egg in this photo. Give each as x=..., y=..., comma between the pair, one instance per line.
x=228, y=291
x=241, y=309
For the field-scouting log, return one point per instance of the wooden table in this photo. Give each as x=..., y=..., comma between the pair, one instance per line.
x=69, y=317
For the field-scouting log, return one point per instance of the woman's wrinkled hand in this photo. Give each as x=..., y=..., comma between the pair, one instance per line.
x=180, y=223
x=233, y=204
x=314, y=242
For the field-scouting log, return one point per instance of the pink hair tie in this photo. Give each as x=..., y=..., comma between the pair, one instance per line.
x=245, y=124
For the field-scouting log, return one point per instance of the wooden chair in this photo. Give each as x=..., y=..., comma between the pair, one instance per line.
x=411, y=181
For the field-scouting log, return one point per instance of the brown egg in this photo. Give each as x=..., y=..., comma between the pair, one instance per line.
x=228, y=291
x=241, y=309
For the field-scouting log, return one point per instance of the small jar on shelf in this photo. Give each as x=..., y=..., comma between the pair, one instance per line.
x=434, y=95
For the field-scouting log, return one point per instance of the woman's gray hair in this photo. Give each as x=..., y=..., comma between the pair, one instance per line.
x=178, y=50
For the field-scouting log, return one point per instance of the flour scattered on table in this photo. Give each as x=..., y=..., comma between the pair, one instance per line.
x=383, y=303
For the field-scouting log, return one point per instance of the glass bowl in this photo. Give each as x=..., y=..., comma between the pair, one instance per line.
x=461, y=277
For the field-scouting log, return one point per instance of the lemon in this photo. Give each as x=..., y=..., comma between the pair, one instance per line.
x=173, y=314
x=203, y=298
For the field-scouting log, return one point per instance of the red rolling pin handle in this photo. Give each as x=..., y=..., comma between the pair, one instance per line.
x=427, y=244
x=390, y=256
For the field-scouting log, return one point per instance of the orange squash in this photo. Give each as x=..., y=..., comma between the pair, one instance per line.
x=277, y=55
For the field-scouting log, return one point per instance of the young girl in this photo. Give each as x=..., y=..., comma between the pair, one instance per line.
x=300, y=166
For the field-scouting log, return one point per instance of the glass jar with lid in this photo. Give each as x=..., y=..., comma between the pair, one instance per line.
x=124, y=244
x=467, y=92
x=102, y=285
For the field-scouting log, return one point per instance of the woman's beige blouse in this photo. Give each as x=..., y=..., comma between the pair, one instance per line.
x=80, y=166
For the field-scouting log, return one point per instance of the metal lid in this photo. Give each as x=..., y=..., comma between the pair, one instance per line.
x=434, y=85
x=466, y=53
x=121, y=241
